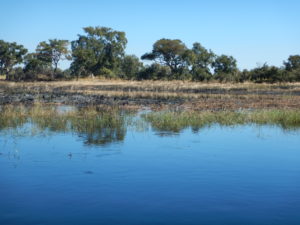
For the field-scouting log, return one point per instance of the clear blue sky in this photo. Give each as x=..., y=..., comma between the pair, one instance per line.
x=254, y=31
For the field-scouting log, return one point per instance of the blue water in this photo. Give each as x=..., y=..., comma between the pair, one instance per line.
x=219, y=175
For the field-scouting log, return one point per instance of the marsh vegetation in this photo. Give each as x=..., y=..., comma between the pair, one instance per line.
x=98, y=125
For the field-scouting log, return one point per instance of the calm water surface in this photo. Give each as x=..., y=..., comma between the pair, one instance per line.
x=218, y=175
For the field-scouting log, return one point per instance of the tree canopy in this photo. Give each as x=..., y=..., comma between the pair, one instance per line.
x=53, y=51
x=101, y=49
x=293, y=62
x=169, y=52
x=201, y=61
x=11, y=54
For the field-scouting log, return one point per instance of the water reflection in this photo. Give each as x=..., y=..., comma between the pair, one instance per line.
x=102, y=126
x=104, y=135
x=92, y=126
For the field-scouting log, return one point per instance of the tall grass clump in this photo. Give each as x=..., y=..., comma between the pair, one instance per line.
x=96, y=126
x=11, y=117
x=176, y=121
x=287, y=119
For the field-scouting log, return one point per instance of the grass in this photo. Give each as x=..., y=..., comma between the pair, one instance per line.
x=174, y=85
x=94, y=125
x=184, y=94
x=95, y=120
x=176, y=121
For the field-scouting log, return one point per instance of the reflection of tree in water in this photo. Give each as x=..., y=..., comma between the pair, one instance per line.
x=104, y=136
x=101, y=129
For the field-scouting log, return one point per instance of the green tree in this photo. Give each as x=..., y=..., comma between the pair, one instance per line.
x=130, y=67
x=33, y=66
x=267, y=73
x=155, y=72
x=292, y=63
x=171, y=53
x=225, y=68
x=201, y=61
x=101, y=49
x=52, y=52
x=224, y=64
x=11, y=54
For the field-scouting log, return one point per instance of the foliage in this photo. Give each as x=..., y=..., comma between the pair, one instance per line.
x=266, y=73
x=101, y=49
x=11, y=54
x=201, y=61
x=130, y=67
x=33, y=66
x=170, y=53
x=155, y=72
x=52, y=52
x=293, y=63
x=224, y=64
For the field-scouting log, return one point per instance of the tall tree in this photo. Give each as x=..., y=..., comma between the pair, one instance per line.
x=33, y=66
x=293, y=63
x=11, y=54
x=201, y=61
x=171, y=53
x=101, y=49
x=131, y=66
x=53, y=51
x=225, y=64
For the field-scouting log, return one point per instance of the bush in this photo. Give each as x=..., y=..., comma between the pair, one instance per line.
x=155, y=72
x=16, y=74
x=200, y=74
x=130, y=67
x=107, y=73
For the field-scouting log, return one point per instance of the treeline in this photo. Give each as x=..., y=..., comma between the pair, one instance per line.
x=101, y=52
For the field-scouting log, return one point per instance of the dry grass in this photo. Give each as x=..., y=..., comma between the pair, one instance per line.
x=152, y=85
x=185, y=94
